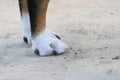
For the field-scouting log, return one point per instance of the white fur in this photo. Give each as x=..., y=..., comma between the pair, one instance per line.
x=46, y=43
x=26, y=27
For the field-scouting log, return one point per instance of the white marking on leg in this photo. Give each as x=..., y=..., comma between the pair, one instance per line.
x=26, y=27
x=46, y=43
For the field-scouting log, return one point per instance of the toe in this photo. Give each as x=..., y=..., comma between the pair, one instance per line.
x=59, y=47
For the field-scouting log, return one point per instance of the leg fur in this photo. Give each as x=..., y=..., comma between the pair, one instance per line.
x=25, y=21
x=37, y=10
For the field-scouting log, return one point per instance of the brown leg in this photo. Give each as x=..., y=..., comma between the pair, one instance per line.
x=23, y=7
x=37, y=11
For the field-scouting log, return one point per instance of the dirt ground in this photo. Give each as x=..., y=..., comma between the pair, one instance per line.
x=90, y=27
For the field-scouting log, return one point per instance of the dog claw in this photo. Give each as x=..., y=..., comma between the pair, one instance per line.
x=25, y=39
x=58, y=37
x=36, y=51
x=55, y=53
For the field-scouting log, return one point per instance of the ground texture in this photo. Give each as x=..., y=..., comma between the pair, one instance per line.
x=90, y=27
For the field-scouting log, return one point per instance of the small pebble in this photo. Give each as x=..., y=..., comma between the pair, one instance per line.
x=116, y=57
x=101, y=57
x=75, y=53
x=71, y=48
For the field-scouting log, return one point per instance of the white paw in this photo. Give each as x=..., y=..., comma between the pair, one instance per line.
x=26, y=28
x=46, y=43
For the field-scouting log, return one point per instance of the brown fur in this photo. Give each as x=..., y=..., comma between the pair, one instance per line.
x=24, y=6
x=41, y=14
x=41, y=19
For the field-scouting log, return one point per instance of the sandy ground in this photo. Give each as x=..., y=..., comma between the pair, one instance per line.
x=90, y=27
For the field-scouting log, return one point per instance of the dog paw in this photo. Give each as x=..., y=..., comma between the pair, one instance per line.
x=48, y=43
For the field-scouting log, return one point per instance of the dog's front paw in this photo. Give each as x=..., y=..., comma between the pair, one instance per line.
x=47, y=43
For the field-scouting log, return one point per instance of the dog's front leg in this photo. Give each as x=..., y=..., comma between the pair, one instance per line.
x=44, y=41
x=25, y=21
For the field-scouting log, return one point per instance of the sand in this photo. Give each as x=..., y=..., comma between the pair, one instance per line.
x=90, y=27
